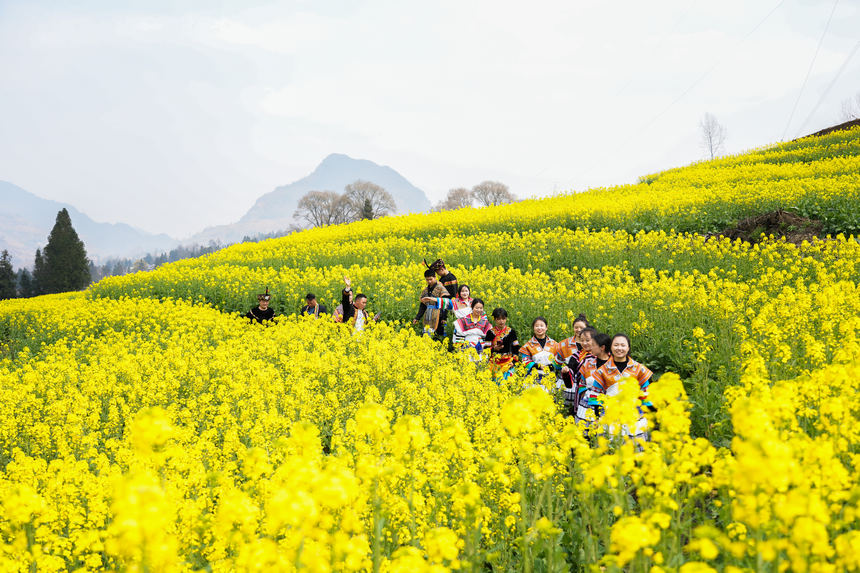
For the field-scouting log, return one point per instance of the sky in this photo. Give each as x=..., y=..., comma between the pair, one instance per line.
x=175, y=116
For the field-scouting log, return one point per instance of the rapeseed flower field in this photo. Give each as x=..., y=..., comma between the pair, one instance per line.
x=146, y=426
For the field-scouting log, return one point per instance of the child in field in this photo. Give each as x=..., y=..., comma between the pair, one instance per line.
x=595, y=353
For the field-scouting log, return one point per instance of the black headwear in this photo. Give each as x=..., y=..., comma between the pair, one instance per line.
x=435, y=265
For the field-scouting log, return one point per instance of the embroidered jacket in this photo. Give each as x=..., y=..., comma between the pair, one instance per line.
x=470, y=331
x=532, y=352
x=606, y=378
x=568, y=349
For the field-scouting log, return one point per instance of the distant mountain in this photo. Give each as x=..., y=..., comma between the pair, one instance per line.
x=274, y=210
x=26, y=220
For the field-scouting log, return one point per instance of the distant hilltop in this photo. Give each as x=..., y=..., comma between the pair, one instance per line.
x=26, y=220
x=274, y=210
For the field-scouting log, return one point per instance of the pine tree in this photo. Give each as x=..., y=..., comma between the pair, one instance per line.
x=367, y=210
x=38, y=273
x=8, y=280
x=25, y=284
x=65, y=258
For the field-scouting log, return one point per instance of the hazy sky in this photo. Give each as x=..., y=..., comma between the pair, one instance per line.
x=172, y=116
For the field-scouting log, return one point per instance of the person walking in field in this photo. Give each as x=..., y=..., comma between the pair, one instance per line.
x=312, y=307
x=354, y=308
x=446, y=277
x=261, y=313
x=504, y=345
x=609, y=377
x=432, y=302
x=595, y=353
x=538, y=354
x=448, y=281
x=470, y=331
x=568, y=356
x=461, y=304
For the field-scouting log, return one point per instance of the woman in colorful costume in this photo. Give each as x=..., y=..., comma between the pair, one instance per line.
x=594, y=354
x=538, y=355
x=471, y=330
x=607, y=380
x=504, y=345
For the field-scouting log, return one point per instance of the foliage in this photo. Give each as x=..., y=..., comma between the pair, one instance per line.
x=151, y=428
x=8, y=280
x=66, y=267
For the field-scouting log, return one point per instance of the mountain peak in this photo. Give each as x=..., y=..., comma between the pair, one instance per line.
x=274, y=210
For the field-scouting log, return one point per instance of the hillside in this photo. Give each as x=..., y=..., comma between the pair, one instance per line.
x=199, y=441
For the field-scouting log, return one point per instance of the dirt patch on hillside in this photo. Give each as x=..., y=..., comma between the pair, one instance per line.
x=779, y=223
x=840, y=127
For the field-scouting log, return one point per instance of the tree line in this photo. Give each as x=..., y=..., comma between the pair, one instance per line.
x=62, y=265
x=365, y=200
x=359, y=200
x=484, y=194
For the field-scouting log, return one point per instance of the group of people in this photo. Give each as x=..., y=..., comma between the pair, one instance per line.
x=581, y=368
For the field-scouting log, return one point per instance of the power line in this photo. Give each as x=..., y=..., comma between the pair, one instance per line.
x=827, y=91
x=710, y=70
x=809, y=71
x=691, y=87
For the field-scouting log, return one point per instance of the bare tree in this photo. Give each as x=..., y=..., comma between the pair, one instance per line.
x=368, y=200
x=456, y=199
x=851, y=108
x=492, y=193
x=713, y=135
x=323, y=208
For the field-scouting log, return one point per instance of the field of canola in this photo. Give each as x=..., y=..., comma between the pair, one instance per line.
x=148, y=428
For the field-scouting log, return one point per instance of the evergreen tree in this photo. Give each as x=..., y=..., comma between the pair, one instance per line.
x=8, y=280
x=367, y=209
x=25, y=284
x=38, y=274
x=65, y=258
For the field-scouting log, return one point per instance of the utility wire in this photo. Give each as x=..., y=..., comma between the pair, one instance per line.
x=827, y=91
x=710, y=70
x=631, y=139
x=809, y=70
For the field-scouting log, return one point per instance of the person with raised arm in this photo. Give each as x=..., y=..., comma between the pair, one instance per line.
x=354, y=307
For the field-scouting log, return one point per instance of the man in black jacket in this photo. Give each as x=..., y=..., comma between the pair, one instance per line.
x=313, y=307
x=446, y=277
x=261, y=313
x=354, y=309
